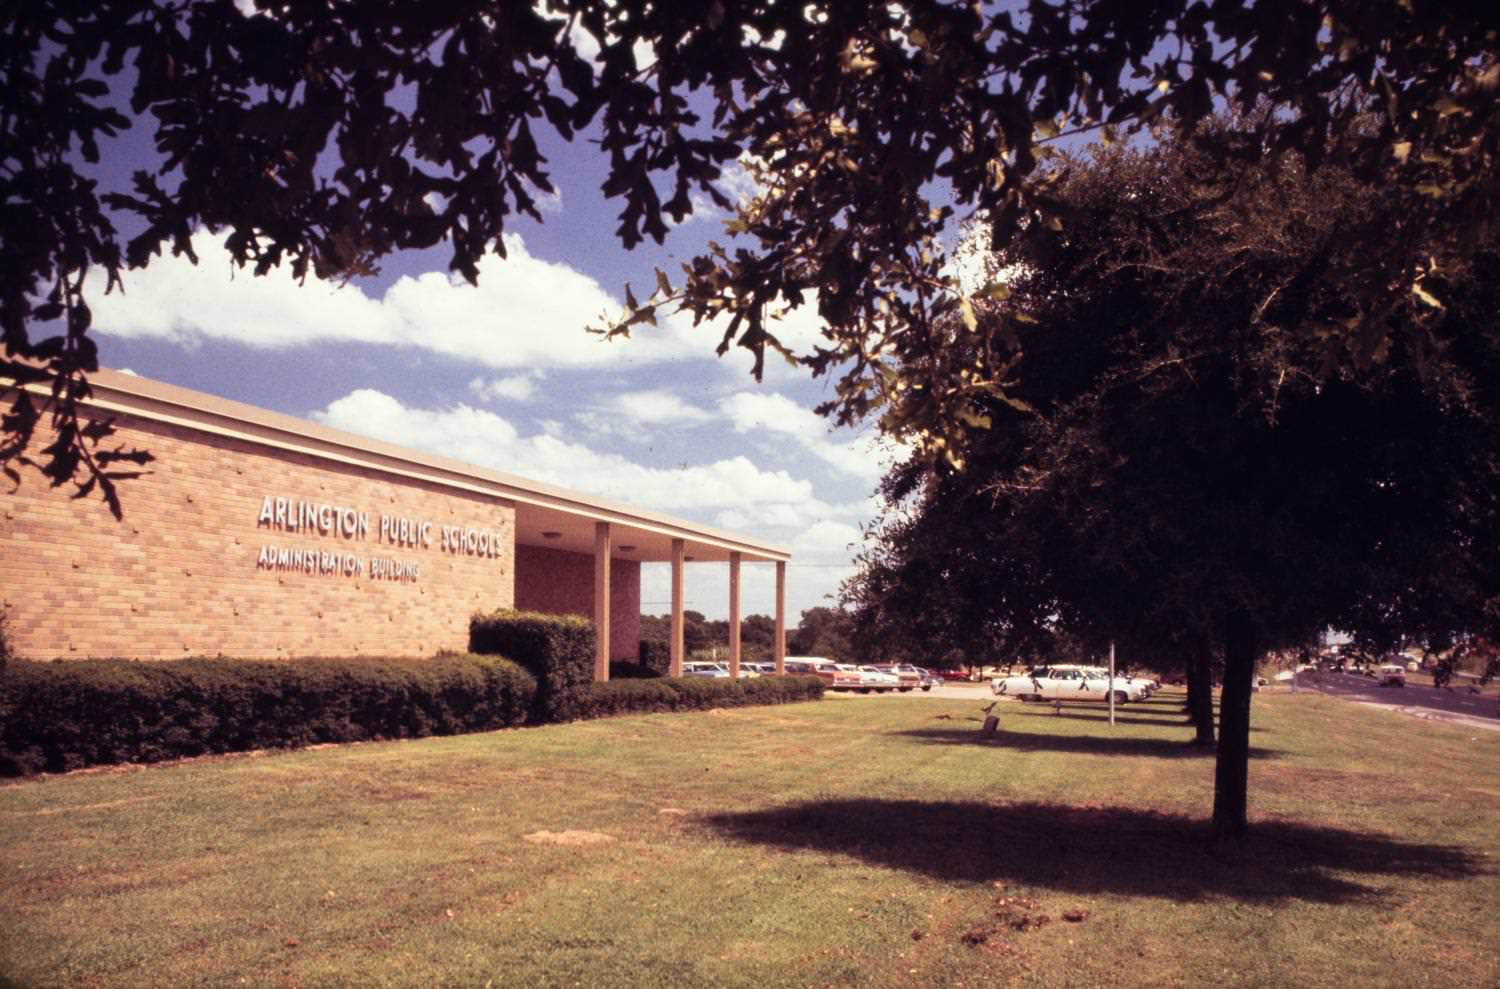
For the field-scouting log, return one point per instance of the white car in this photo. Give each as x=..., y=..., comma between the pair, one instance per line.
x=1391, y=674
x=873, y=680
x=1147, y=685
x=700, y=668
x=879, y=679
x=1070, y=683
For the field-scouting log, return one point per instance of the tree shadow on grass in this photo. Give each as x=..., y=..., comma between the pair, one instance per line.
x=1093, y=712
x=1028, y=741
x=1163, y=704
x=1165, y=720
x=1103, y=850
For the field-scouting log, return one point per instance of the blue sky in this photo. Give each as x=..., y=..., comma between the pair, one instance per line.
x=504, y=375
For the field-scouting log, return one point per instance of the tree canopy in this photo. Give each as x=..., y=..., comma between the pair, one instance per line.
x=1180, y=463
x=325, y=135
x=822, y=632
x=825, y=632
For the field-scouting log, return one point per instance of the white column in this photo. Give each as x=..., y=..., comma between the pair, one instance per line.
x=779, y=649
x=734, y=614
x=676, y=650
x=601, y=600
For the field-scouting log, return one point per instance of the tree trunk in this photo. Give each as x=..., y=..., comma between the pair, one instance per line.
x=1232, y=769
x=1201, y=697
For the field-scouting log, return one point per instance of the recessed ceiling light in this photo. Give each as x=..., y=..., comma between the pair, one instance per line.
x=552, y=535
x=627, y=548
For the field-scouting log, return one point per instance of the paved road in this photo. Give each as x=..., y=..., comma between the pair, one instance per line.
x=1458, y=700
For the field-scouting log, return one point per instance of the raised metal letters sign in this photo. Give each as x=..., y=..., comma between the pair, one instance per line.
x=296, y=515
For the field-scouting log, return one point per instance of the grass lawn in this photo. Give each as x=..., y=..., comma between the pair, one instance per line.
x=851, y=842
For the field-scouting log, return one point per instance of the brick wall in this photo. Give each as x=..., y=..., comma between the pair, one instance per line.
x=181, y=575
x=562, y=583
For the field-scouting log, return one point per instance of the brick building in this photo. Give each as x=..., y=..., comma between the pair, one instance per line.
x=256, y=534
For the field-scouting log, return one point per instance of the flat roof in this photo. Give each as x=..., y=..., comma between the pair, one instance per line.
x=546, y=515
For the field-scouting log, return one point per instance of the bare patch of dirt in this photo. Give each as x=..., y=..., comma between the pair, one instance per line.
x=568, y=838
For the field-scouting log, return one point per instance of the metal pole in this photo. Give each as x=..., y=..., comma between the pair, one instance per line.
x=1111, y=683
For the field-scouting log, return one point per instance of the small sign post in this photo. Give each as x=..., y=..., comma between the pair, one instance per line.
x=1111, y=683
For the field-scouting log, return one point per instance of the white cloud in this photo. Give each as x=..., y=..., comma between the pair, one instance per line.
x=656, y=407
x=548, y=203
x=767, y=516
x=177, y=301
x=820, y=563
x=828, y=542
x=737, y=180
x=588, y=48
x=516, y=387
x=482, y=437
x=524, y=313
x=732, y=492
x=639, y=415
x=859, y=456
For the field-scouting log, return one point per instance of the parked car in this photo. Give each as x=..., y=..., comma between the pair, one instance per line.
x=1073, y=683
x=699, y=668
x=879, y=679
x=908, y=677
x=1391, y=674
x=833, y=676
x=961, y=675
x=1147, y=685
x=1413, y=666
x=929, y=678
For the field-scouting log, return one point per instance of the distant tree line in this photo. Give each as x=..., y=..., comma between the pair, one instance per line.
x=821, y=632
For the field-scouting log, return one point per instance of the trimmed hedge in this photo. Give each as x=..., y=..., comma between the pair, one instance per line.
x=557, y=649
x=69, y=714
x=75, y=713
x=656, y=654
x=621, y=670
x=694, y=693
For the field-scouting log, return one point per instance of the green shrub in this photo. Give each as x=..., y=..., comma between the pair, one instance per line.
x=694, y=693
x=620, y=670
x=628, y=696
x=66, y=715
x=656, y=654
x=557, y=649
